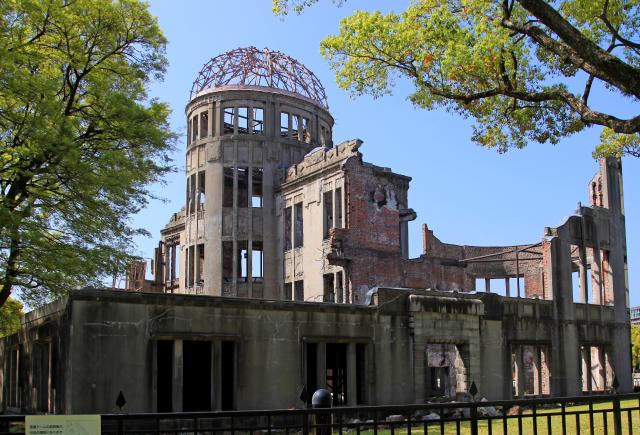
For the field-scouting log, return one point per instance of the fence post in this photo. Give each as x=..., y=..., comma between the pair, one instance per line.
x=474, y=419
x=617, y=416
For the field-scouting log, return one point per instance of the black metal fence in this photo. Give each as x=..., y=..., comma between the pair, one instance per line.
x=612, y=414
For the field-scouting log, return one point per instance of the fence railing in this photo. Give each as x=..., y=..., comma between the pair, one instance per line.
x=614, y=414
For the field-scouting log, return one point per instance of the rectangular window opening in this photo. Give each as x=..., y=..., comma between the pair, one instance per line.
x=256, y=261
x=258, y=121
x=196, y=375
x=306, y=130
x=201, y=195
x=256, y=188
x=227, y=261
x=227, y=194
x=192, y=262
x=338, y=205
x=243, y=120
x=298, y=288
x=336, y=364
x=194, y=128
x=339, y=288
x=287, y=229
x=295, y=127
x=298, y=235
x=575, y=286
x=228, y=120
x=327, y=213
x=328, y=285
x=204, y=124
x=192, y=194
x=288, y=293
x=284, y=124
x=243, y=259
x=200, y=270
x=243, y=186
x=164, y=375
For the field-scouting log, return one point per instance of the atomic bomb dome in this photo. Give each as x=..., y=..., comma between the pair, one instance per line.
x=260, y=68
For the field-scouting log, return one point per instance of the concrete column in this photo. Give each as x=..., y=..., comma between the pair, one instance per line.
x=520, y=371
x=487, y=285
x=596, y=275
x=177, y=376
x=536, y=370
x=214, y=185
x=507, y=288
x=582, y=266
x=351, y=375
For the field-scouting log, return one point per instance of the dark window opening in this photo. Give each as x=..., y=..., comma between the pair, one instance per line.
x=194, y=128
x=288, y=294
x=243, y=186
x=192, y=194
x=204, y=124
x=227, y=375
x=284, y=124
x=227, y=261
x=256, y=261
x=228, y=120
x=200, y=270
x=298, y=288
x=196, y=376
x=360, y=373
x=41, y=374
x=337, y=372
x=295, y=127
x=164, y=375
x=328, y=213
x=192, y=262
x=201, y=196
x=323, y=135
x=243, y=258
x=312, y=370
x=338, y=205
x=256, y=187
x=328, y=281
x=298, y=239
x=258, y=121
x=287, y=228
x=227, y=194
x=243, y=120
x=339, y=288
x=188, y=132
x=306, y=132
x=438, y=381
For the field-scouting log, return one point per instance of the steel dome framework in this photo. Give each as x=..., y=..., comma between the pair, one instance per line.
x=253, y=67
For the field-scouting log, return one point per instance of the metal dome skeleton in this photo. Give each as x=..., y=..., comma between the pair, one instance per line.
x=253, y=67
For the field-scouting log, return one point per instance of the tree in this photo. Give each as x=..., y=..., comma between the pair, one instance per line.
x=524, y=69
x=10, y=314
x=80, y=141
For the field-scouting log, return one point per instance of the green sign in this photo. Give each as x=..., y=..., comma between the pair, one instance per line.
x=62, y=424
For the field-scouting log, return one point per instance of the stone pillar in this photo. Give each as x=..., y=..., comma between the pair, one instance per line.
x=352, y=384
x=177, y=376
x=507, y=287
x=520, y=372
x=487, y=285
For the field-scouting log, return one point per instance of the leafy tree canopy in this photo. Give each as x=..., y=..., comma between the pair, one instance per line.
x=10, y=314
x=635, y=346
x=80, y=141
x=523, y=69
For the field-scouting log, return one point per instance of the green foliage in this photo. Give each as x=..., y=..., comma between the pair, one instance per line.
x=10, y=314
x=635, y=346
x=80, y=141
x=523, y=69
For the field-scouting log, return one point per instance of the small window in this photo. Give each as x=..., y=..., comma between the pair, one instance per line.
x=295, y=127
x=339, y=288
x=188, y=132
x=204, y=124
x=328, y=281
x=243, y=186
x=328, y=212
x=306, y=131
x=243, y=258
x=287, y=291
x=338, y=206
x=201, y=195
x=284, y=124
x=227, y=261
x=287, y=229
x=298, y=288
x=200, y=270
x=243, y=120
x=258, y=121
x=256, y=260
x=227, y=194
x=256, y=187
x=191, y=263
x=194, y=128
x=229, y=120
x=298, y=236
x=323, y=135
x=192, y=194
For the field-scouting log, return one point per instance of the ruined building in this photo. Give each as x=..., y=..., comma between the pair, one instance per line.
x=288, y=269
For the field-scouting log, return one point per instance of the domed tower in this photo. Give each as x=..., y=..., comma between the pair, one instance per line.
x=252, y=113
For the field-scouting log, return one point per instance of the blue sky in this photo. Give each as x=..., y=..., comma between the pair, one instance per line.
x=465, y=193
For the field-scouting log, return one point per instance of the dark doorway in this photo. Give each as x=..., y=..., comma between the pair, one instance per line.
x=196, y=376
x=164, y=375
x=337, y=372
x=312, y=370
x=227, y=375
x=439, y=381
